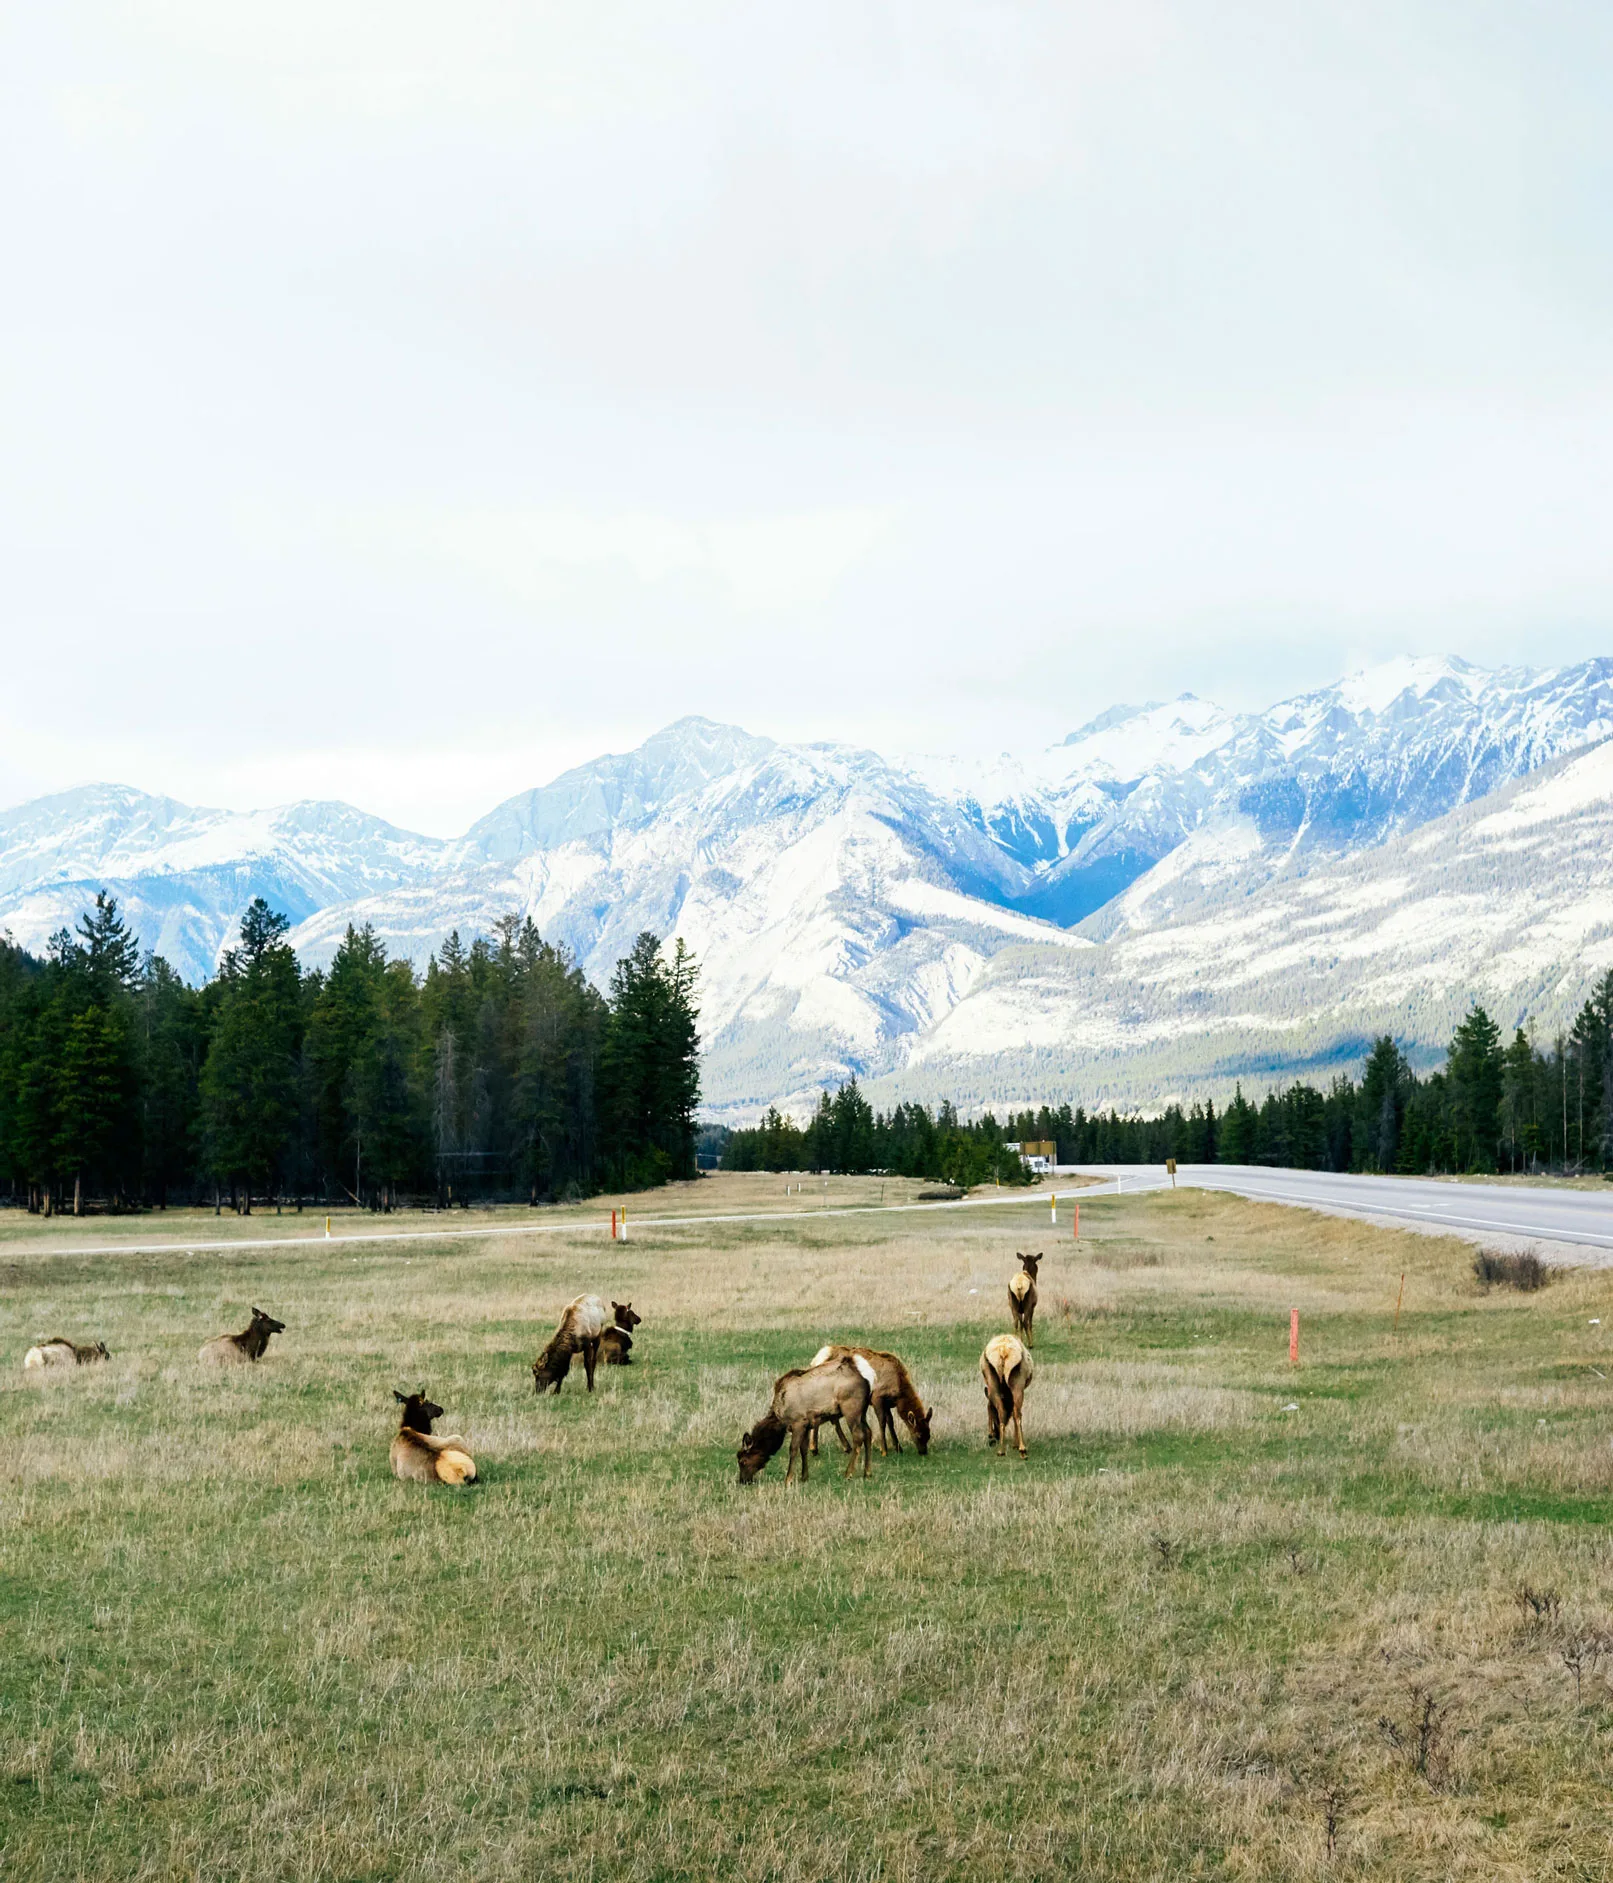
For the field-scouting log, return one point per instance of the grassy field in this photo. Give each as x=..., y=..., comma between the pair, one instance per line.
x=1223, y=1603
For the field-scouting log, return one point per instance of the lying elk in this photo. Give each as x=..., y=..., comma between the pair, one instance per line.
x=60, y=1352
x=616, y=1343
x=421, y=1459
x=802, y=1401
x=580, y=1329
x=1005, y=1366
x=1022, y=1299
x=893, y=1392
x=249, y=1344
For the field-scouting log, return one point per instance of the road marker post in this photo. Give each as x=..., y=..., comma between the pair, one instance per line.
x=1053, y=1204
x=327, y=1229
x=1077, y=1208
x=1398, y=1298
x=624, y=1222
x=613, y=1225
x=1293, y=1337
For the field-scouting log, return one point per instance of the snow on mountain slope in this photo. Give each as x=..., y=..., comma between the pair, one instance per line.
x=852, y=914
x=1508, y=900
x=184, y=875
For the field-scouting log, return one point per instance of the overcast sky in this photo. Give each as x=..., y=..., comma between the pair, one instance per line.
x=404, y=402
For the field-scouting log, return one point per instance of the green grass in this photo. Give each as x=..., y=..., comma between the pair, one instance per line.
x=232, y=1646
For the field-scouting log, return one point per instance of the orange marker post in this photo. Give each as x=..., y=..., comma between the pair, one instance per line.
x=613, y=1225
x=1398, y=1299
x=1077, y=1209
x=1293, y=1337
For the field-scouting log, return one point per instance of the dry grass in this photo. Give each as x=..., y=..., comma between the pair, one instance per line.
x=232, y=1646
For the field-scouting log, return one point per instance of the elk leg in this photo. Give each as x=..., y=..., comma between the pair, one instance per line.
x=991, y=1420
x=789, y=1470
x=1030, y=1327
x=814, y=1441
x=801, y=1440
x=1019, y=1430
x=590, y=1358
x=887, y=1412
x=865, y=1439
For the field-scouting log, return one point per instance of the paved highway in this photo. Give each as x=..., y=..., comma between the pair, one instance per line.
x=1533, y=1211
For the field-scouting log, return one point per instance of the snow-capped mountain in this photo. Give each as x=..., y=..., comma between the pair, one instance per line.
x=853, y=913
x=1508, y=900
x=182, y=875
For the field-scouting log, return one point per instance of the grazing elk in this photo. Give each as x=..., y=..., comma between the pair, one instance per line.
x=60, y=1352
x=893, y=1392
x=1022, y=1299
x=419, y=1458
x=1005, y=1366
x=580, y=1328
x=616, y=1343
x=249, y=1344
x=804, y=1399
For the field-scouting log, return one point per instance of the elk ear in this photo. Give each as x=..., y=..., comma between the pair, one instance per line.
x=929, y=1412
x=401, y=1398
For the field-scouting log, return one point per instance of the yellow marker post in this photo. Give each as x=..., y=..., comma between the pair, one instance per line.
x=327, y=1226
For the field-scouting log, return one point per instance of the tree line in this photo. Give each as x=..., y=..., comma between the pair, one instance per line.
x=501, y=1072
x=1494, y=1106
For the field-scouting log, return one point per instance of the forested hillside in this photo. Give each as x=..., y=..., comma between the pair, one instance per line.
x=1493, y=1107
x=501, y=1071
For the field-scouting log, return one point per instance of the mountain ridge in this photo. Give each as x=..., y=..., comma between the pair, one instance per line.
x=844, y=905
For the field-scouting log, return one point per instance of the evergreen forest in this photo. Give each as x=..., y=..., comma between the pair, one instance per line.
x=1495, y=1106
x=500, y=1073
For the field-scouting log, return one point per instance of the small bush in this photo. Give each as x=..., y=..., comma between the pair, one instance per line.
x=1525, y=1271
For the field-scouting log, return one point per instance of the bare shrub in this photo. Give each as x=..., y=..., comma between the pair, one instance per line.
x=1333, y=1799
x=1582, y=1653
x=1167, y=1549
x=1538, y=1605
x=1524, y=1271
x=1421, y=1737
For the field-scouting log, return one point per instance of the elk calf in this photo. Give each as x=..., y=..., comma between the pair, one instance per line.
x=616, y=1343
x=419, y=1458
x=1022, y=1299
x=893, y=1392
x=803, y=1400
x=60, y=1352
x=1005, y=1367
x=249, y=1344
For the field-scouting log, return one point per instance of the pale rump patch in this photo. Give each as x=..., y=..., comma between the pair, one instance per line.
x=588, y=1317
x=821, y=1355
x=37, y=1357
x=865, y=1369
x=1020, y=1286
x=1003, y=1354
x=455, y=1467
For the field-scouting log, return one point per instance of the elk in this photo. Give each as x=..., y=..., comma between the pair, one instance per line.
x=249, y=1344
x=893, y=1392
x=615, y=1344
x=60, y=1352
x=1005, y=1366
x=419, y=1458
x=804, y=1399
x=1022, y=1298
x=579, y=1331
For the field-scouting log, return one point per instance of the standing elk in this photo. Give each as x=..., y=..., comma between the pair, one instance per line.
x=581, y=1326
x=803, y=1400
x=1022, y=1299
x=248, y=1345
x=61, y=1353
x=893, y=1392
x=1006, y=1368
x=417, y=1457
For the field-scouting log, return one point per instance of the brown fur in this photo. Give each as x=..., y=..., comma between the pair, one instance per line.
x=579, y=1331
x=616, y=1343
x=804, y=1399
x=61, y=1352
x=417, y=1457
x=1022, y=1299
x=1006, y=1369
x=248, y=1345
x=893, y=1392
